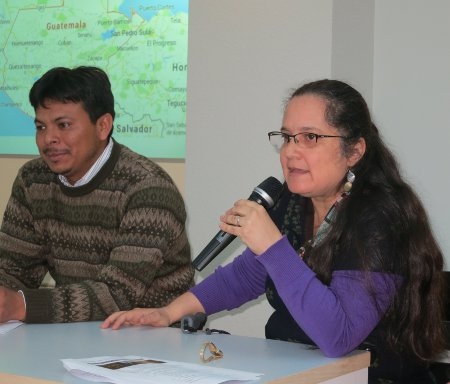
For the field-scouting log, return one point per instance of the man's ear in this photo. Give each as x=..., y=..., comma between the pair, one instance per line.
x=359, y=148
x=104, y=125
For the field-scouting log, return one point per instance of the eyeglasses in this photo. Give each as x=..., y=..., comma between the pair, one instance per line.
x=303, y=139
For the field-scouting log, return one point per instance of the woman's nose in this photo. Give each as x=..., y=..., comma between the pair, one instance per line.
x=291, y=149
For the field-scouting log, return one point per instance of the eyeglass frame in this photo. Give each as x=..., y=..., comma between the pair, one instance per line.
x=316, y=136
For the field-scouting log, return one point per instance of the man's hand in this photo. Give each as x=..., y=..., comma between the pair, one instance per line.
x=12, y=305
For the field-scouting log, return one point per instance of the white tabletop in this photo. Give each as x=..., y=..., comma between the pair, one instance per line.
x=36, y=349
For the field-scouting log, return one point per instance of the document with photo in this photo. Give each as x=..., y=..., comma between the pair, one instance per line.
x=146, y=370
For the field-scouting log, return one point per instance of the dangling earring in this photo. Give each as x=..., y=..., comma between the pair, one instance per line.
x=350, y=179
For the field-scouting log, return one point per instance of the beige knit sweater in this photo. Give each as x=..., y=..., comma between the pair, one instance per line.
x=117, y=243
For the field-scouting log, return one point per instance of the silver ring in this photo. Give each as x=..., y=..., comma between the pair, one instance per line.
x=238, y=219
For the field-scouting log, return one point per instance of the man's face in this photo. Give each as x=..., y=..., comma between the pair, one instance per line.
x=68, y=141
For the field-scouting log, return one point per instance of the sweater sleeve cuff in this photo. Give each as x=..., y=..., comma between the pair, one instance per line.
x=38, y=305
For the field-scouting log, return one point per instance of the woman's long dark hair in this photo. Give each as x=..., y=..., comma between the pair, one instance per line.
x=414, y=321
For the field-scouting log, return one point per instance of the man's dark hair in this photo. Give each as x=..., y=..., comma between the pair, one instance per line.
x=89, y=86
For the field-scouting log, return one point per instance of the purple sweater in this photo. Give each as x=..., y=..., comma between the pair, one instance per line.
x=338, y=317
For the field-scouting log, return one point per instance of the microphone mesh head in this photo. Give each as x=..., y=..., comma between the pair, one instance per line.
x=267, y=192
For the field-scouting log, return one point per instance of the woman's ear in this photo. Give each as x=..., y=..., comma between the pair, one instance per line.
x=359, y=148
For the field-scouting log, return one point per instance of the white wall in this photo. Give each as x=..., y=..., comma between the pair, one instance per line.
x=245, y=57
x=412, y=98
x=352, y=44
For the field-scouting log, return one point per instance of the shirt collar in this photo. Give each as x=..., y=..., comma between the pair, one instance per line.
x=90, y=174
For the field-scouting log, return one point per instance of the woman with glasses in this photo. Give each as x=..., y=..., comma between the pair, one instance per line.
x=346, y=257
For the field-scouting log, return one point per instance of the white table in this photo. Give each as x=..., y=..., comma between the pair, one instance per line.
x=34, y=351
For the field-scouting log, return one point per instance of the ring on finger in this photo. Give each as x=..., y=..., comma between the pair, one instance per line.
x=238, y=219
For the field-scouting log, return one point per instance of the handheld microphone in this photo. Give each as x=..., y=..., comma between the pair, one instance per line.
x=265, y=194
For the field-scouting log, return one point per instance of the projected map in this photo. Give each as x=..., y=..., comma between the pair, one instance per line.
x=141, y=44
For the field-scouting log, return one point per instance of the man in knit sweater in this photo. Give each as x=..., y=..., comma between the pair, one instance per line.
x=107, y=223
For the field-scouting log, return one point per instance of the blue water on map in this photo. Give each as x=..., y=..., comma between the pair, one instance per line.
x=13, y=121
x=108, y=34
